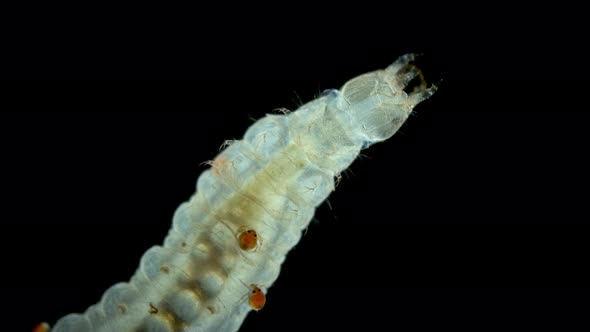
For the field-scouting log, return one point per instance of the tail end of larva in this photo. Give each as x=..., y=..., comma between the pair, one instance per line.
x=403, y=72
x=378, y=101
x=416, y=97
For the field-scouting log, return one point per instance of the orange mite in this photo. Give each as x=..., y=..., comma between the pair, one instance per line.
x=41, y=327
x=257, y=298
x=248, y=239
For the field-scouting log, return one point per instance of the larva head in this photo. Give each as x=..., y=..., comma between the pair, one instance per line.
x=377, y=101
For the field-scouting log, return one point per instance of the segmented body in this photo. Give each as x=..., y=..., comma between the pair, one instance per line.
x=269, y=183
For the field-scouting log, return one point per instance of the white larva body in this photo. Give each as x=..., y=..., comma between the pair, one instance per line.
x=271, y=182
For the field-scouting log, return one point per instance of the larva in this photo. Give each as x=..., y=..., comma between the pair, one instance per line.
x=250, y=208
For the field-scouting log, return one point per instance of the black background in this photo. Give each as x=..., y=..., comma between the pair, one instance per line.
x=474, y=216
